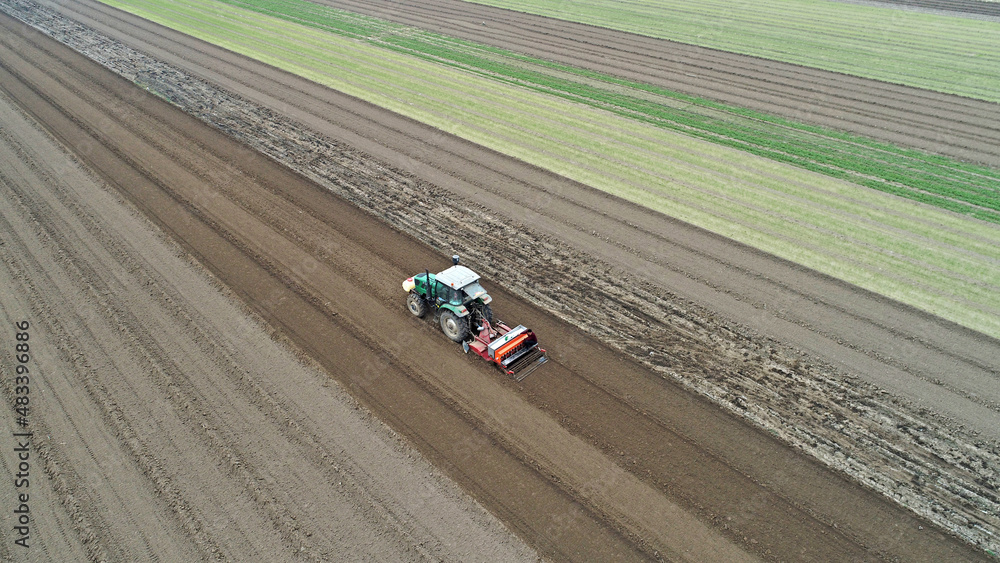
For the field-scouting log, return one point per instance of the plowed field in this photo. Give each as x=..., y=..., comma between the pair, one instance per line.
x=160, y=431
x=596, y=456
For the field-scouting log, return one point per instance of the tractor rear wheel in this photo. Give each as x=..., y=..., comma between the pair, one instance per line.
x=416, y=305
x=454, y=327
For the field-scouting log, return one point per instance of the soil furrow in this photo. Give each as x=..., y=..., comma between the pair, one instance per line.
x=153, y=379
x=89, y=493
x=469, y=169
x=270, y=260
x=539, y=506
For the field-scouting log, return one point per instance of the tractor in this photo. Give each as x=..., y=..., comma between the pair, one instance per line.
x=462, y=308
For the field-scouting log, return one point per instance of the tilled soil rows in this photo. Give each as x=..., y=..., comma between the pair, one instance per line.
x=160, y=429
x=858, y=332
x=910, y=455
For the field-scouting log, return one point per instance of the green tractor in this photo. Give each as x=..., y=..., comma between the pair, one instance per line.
x=459, y=302
x=462, y=307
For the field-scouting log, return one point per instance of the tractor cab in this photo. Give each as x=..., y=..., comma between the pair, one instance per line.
x=455, y=297
x=459, y=285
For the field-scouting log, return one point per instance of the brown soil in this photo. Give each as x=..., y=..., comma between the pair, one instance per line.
x=595, y=456
x=168, y=424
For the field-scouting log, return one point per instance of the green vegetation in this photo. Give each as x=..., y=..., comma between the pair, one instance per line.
x=649, y=146
x=944, y=53
x=933, y=180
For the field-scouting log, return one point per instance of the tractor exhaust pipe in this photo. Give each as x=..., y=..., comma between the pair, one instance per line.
x=454, y=259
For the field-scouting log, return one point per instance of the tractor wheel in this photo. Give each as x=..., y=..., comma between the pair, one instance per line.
x=416, y=305
x=454, y=327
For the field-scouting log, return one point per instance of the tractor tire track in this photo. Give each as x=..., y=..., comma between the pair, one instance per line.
x=175, y=460
x=282, y=277
x=83, y=339
x=814, y=313
x=545, y=504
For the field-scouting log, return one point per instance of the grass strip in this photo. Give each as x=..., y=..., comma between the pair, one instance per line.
x=938, y=52
x=939, y=262
x=945, y=183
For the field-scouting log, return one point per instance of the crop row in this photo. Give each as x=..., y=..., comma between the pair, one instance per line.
x=935, y=260
x=939, y=52
x=946, y=183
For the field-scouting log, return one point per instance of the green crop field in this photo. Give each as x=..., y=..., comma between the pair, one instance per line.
x=938, y=52
x=945, y=183
x=821, y=199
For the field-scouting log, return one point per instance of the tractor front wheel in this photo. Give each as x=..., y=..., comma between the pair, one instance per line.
x=454, y=327
x=416, y=305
